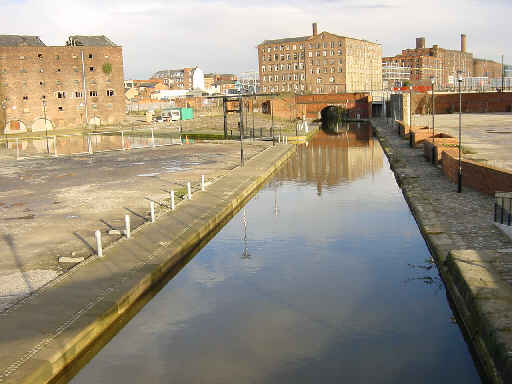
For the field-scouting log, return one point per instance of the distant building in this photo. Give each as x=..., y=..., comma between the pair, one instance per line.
x=395, y=75
x=249, y=82
x=320, y=63
x=441, y=64
x=75, y=84
x=185, y=78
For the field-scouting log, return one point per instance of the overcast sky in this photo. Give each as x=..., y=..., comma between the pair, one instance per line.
x=221, y=36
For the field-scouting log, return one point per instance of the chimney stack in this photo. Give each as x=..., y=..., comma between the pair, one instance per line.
x=420, y=42
x=315, y=30
x=463, y=43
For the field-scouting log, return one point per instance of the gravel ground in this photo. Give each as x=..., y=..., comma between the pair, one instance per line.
x=51, y=207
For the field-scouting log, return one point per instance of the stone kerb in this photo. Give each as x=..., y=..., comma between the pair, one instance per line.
x=436, y=147
x=480, y=177
x=417, y=136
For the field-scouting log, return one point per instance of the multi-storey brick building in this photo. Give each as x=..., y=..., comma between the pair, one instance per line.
x=320, y=63
x=45, y=87
x=440, y=64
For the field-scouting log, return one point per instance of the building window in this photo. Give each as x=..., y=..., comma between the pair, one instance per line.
x=340, y=69
x=110, y=106
x=41, y=83
x=110, y=92
x=310, y=54
x=74, y=57
x=319, y=80
x=276, y=78
x=41, y=70
x=90, y=55
x=91, y=69
x=332, y=70
x=302, y=76
x=324, y=53
x=75, y=69
x=58, y=82
x=340, y=61
x=93, y=93
x=22, y=57
x=57, y=57
x=61, y=95
x=332, y=44
x=61, y=109
x=263, y=68
x=40, y=55
x=332, y=53
x=58, y=69
x=294, y=47
x=25, y=97
x=94, y=106
x=264, y=78
x=78, y=94
x=318, y=70
x=339, y=52
x=331, y=79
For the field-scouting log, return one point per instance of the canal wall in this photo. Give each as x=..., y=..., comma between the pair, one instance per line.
x=45, y=333
x=473, y=257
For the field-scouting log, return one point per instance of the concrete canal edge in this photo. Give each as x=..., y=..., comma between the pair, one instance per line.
x=43, y=335
x=482, y=300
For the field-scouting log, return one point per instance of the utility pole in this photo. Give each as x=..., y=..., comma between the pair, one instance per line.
x=241, y=125
x=502, y=75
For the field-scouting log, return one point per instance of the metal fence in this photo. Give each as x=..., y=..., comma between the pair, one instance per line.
x=503, y=207
x=87, y=143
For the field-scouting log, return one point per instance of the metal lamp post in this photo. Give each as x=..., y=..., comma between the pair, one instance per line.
x=45, y=126
x=4, y=121
x=459, y=186
x=410, y=106
x=433, y=81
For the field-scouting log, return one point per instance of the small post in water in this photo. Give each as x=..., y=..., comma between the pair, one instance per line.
x=172, y=200
x=152, y=209
x=97, y=234
x=89, y=142
x=189, y=191
x=202, y=183
x=127, y=225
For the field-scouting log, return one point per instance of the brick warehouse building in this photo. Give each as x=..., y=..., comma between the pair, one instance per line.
x=440, y=63
x=320, y=63
x=75, y=84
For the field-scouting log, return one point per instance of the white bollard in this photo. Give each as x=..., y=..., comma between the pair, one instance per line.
x=202, y=183
x=189, y=191
x=55, y=145
x=172, y=200
x=89, y=142
x=97, y=234
x=127, y=225
x=152, y=209
x=17, y=150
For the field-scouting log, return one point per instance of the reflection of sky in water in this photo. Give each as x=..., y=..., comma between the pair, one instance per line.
x=327, y=295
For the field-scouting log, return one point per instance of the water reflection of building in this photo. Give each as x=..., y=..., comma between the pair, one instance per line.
x=329, y=160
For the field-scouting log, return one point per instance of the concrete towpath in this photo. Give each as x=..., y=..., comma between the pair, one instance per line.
x=473, y=256
x=46, y=331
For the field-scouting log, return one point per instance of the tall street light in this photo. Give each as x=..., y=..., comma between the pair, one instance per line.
x=433, y=81
x=459, y=80
x=45, y=126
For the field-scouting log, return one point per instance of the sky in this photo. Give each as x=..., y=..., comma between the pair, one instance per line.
x=221, y=36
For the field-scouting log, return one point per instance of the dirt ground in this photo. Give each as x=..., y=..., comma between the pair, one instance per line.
x=51, y=207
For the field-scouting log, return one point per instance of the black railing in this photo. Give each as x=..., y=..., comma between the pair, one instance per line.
x=503, y=207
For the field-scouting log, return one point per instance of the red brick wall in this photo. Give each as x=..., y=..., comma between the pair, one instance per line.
x=477, y=176
x=418, y=135
x=442, y=143
x=471, y=102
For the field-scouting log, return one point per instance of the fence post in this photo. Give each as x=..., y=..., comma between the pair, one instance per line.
x=152, y=209
x=127, y=225
x=55, y=145
x=97, y=234
x=152, y=138
x=122, y=139
x=202, y=183
x=172, y=200
x=17, y=150
x=189, y=191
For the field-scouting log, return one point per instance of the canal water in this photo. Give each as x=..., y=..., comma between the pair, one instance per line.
x=323, y=277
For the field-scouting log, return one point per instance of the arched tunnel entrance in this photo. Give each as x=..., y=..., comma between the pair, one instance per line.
x=332, y=117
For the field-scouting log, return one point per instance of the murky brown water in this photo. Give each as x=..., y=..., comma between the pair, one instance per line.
x=322, y=278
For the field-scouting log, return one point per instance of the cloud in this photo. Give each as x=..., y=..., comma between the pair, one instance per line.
x=221, y=35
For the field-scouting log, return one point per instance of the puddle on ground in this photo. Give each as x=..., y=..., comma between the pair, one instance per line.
x=149, y=174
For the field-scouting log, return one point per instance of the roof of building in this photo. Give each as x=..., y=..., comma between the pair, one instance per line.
x=286, y=40
x=91, y=41
x=20, y=41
